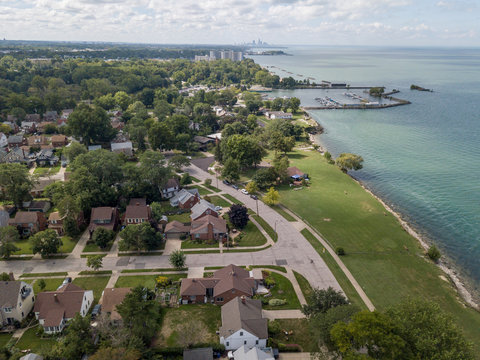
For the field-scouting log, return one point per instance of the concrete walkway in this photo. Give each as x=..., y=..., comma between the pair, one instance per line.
x=78, y=249
x=283, y=314
x=171, y=245
x=114, y=249
x=195, y=272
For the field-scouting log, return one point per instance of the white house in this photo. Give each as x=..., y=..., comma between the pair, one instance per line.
x=3, y=140
x=244, y=353
x=16, y=301
x=243, y=325
x=278, y=115
x=53, y=309
x=171, y=188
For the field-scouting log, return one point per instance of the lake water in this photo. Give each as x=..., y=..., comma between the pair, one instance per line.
x=423, y=159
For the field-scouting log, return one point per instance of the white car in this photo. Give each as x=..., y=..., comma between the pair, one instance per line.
x=244, y=191
x=218, y=208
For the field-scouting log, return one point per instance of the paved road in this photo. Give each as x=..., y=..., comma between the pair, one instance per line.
x=291, y=249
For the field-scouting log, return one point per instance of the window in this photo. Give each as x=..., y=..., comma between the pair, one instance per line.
x=245, y=342
x=7, y=310
x=256, y=342
x=241, y=333
x=228, y=343
x=129, y=220
x=219, y=299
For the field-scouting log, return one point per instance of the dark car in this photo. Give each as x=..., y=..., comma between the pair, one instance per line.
x=235, y=187
x=96, y=311
x=226, y=182
x=254, y=197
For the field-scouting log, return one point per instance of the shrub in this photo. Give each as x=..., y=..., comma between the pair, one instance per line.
x=340, y=251
x=163, y=281
x=269, y=282
x=208, y=182
x=433, y=253
x=183, y=237
x=186, y=179
x=274, y=327
x=277, y=302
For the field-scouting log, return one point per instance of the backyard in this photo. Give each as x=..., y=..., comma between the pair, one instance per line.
x=31, y=341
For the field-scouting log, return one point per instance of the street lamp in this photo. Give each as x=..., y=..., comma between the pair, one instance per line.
x=276, y=235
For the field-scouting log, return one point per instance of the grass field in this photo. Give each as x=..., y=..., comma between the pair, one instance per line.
x=97, y=284
x=201, y=190
x=4, y=339
x=386, y=261
x=29, y=275
x=219, y=201
x=51, y=285
x=68, y=244
x=202, y=321
x=31, y=341
x=126, y=271
x=24, y=246
x=268, y=229
x=46, y=171
x=213, y=188
x=304, y=285
x=189, y=244
x=232, y=199
x=251, y=236
x=298, y=333
x=92, y=247
x=183, y=218
x=145, y=280
x=283, y=289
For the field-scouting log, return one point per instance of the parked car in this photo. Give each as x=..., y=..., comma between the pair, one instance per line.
x=244, y=191
x=235, y=187
x=67, y=280
x=254, y=197
x=96, y=311
x=226, y=182
x=218, y=208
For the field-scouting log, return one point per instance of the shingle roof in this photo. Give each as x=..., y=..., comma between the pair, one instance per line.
x=139, y=201
x=112, y=297
x=293, y=170
x=172, y=183
x=137, y=212
x=198, y=354
x=243, y=314
x=183, y=195
x=245, y=353
x=9, y=291
x=121, y=145
x=102, y=213
x=201, y=225
x=176, y=227
x=199, y=208
x=197, y=287
x=22, y=217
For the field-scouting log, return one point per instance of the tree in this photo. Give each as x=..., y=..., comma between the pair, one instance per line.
x=78, y=340
x=272, y=197
x=231, y=169
x=178, y=162
x=116, y=354
x=75, y=149
x=139, y=237
x=208, y=182
x=252, y=187
x=265, y=177
x=294, y=104
x=280, y=142
x=161, y=136
x=141, y=313
x=102, y=237
x=138, y=135
x=177, y=259
x=46, y=242
x=433, y=253
x=347, y=161
x=320, y=301
x=186, y=179
x=4, y=277
x=95, y=262
x=41, y=284
x=91, y=124
x=238, y=215
x=328, y=157
x=8, y=236
x=246, y=149
x=15, y=183
x=122, y=99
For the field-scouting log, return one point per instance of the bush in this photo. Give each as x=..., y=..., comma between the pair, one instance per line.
x=277, y=302
x=340, y=251
x=433, y=253
x=186, y=179
x=274, y=327
x=183, y=237
x=289, y=347
x=208, y=182
x=269, y=282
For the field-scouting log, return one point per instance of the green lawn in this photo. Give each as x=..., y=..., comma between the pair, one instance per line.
x=183, y=218
x=282, y=212
x=29, y=275
x=283, y=289
x=201, y=190
x=304, y=285
x=268, y=229
x=274, y=267
x=251, y=236
x=32, y=342
x=385, y=260
x=232, y=199
x=92, y=247
x=46, y=171
x=194, y=179
x=219, y=201
x=189, y=244
x=24, y=246
x=51, y=285
x=206, y=319
x=68, y=244
x=97, y=284
x=213, y=188
x=4, y=339
x=298, y=333
x=126, y=271
x=144, y=280
x=93, y=272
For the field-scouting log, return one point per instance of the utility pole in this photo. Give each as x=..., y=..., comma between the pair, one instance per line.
x=256, y=201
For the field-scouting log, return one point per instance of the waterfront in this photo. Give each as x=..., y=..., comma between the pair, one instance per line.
x=422, y=159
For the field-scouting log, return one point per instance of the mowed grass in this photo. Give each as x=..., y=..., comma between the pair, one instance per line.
x=183, y=218
x=299, y=333
x=268, y=229
x=232, y=199
x=68, y=243
x=304, y=285
x=50, y=285
x=189, y=244
x=386, y=261
x=97, y=284
x=201, y=190
x=251, y=236
x=4, y=339
x=31, y=341
x=46, y=171
x=145, y=280
x=283, y=289
x=219, y=201
x=25, y=247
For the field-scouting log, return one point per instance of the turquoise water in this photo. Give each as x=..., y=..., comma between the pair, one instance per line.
x=423, y=159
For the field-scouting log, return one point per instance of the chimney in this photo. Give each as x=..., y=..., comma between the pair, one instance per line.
x=55, y=297
x=244, y=300
x=137, y=203
x=10, y=275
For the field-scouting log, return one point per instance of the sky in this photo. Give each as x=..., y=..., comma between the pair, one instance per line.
x=282, y=22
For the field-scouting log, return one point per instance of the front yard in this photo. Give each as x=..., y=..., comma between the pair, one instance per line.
x=97, y=284
x=145, y=280
x=46, y=171
x=51, y=285
x=189, y=244
x=250, y=236
x=283, y=289
x=219, y=201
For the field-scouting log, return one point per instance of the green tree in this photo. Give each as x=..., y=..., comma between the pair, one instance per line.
x=294, y=104
x=231, y=169
x=91, y=123
x=73, y=150
x=246, y=149
x=161, y=136
x=45, y=242
x=238, y=215
x=102, y=237
x=177, y=259
x=139, y=237
x=347, y=161
x=78, y=339
x=138, y=135
x=277, y=104
x=272, y=197
x=433, y=253
x=15, y=183
x=95, y=262
x=186, y=179
x=8, y=236
x=320, y=301
x=265, y=177
x=41, y=284
x=122, y=99
x=177, y=162
x=280, y=142
x=252, y=187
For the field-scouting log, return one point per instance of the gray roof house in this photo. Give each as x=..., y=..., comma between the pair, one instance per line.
x=123, y=147
x=185, y=196
x=46, y=157
x=16, y=301
x=203, y=207
x=245, y=353
x=32, y=356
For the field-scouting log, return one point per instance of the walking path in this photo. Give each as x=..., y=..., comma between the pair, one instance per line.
x=78, y=249
x=114, y=249
x=282, y=314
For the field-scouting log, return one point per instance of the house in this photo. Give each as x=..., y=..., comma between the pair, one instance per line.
x=16, y=301
x=59, y=141
x=50, y=116
x=12, y=124
x=29, y=126
x=17, y=155
x=53, y=309
x=227, y=283
x=41, y=126
x=66, y=113
x=243, y=324
x=55, y=222
x=37, y=205
x=209, y=227
x=255, y=353
x=216, y=137
x=202, y=142
x=198, y=354
x=123, y=147
x=176, y=228
x=61, y=122
x=171, y=188
x=3, y=140
x=39, y=187
x=94, y=147
x=29, y=222
x=33, y=118
x=117, y=124
x=31, y=356
x=111, y=297
x=185, y=198
x=203, y=208
x=106, y=217
x=37, y=141
x=15, y=141
x=137, y=212
x=46, y=157
x=278, y=115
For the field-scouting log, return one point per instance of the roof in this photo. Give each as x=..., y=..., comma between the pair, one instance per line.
x=215, y=136
x=176, y=227
x=172, y=183
x=243, y=314
x=184, y=195
x=111, y=297
x=53, y=306
x=202, y=139
x=244, y=353
x=38, y=204
x=199, y=208
x=55, y=216
x=31, y=356
x=94, y=147
x=293, y=170
x=137, y=211
x=13, y=139
x=121, y=145
x=198, y=354
x=22, y=217
x=9, y=291
x=139, y=201
x=201, y=225
x=41, y=184
x=59, y=138
x=102, y=213
x=197, y=287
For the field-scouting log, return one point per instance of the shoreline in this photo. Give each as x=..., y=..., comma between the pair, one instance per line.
x=447, y=265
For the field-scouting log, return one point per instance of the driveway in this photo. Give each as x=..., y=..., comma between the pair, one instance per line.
x=203, y=163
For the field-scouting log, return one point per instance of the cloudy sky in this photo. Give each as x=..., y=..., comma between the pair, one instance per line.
x=323, y=22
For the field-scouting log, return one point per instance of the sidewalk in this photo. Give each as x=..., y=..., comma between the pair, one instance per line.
x=77, y=250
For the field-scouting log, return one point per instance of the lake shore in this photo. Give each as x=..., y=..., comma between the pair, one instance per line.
x=461, y=283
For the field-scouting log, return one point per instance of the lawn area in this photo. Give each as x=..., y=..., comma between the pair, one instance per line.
x=283, y=289
x=31, y=341
x=194, y=179
x=4, y=339
x=385, y=260
x=92, y=247
x=304, y=285
x=29, y=275
x=201, y=190
x=205, y=319
x=232, y=199
x=213, y=188
x=46, y=171
x=183, y=218
x=144, y=280
x=189, y=244
x=298, y=333
x=68, y=244
x=24, y=246
x=250, y=236
x=268, y=229
x=282, y=212
x=219, y=201
x=51, y=285
x=97, y=284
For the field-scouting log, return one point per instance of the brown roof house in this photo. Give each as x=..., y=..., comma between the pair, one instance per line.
x=295, y=173
x=59, y=141
x=137, y=212
x=106, y=217
x=37, y=141
x=243, y=324
x=227, y=283
x=176, y=228
x=29, y=222
x=53, y=309
x=171, y=188
x=185, y=198
x=55, y=222
x=209, y=227
x=111, y=297
x=16, y=301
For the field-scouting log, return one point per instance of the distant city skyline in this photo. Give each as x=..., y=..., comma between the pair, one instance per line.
x=281, y=22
